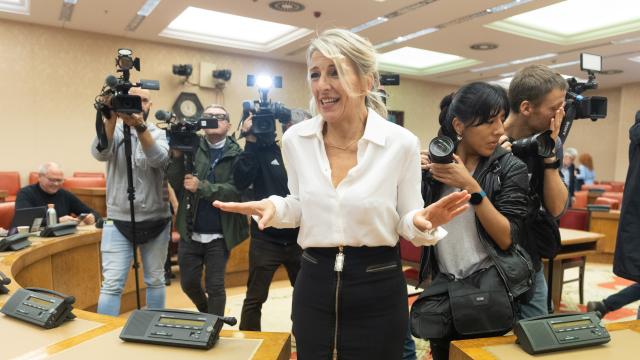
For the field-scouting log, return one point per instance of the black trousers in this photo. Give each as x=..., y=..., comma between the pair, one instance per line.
x=359, y=313
x=192, y=257
x=264, y=259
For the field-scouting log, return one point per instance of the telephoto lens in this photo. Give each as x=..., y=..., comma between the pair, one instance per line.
x=441, y=150
x=540, y=144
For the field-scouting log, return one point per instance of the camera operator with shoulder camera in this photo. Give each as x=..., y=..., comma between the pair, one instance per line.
x=209, y=235
x=537, y=97
x=261, y=165
x=150, y=156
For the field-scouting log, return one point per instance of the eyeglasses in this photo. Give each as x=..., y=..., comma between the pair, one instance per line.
x=215, y=116
x=55, y=181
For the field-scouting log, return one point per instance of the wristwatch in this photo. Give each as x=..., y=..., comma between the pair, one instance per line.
x=476, y=197
x=553, y=165
x=141, y=127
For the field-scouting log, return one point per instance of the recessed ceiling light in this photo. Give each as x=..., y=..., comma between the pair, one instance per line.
x=146, y=9
x=574, y=21
x=484, y=46
x=195, y=24
x=611, y=72
x=409, y=60
x=15, y=6
x=286, y=6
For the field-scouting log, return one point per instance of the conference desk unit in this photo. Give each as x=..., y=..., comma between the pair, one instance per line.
x=71, y=265
x=623, y=346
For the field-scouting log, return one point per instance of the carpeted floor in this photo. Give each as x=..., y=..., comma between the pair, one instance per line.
x=599, y=283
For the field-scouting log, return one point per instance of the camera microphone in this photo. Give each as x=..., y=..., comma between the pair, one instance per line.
x=111, y=81
x=164, y=115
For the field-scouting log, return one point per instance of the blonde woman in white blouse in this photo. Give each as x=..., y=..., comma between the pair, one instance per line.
x=355, y=184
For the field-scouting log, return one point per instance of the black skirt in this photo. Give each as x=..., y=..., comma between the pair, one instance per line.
x=358, y=313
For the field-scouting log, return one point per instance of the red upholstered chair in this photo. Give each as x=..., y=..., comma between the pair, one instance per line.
x=7, y=210
x=84, y=182
x=613, y=195
x=617, y=186
x=10, y=181
x=577, y=219
x=33, y=177
x=88, y=174
x=614, y=204
x=410, y=256
x=581, y=199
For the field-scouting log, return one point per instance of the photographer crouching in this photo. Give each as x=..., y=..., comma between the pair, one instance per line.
x=261, y=165
x=150, y=151
x=207, y=234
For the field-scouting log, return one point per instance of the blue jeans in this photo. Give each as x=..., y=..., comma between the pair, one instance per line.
x=117, y=255
x=537, y=306
x=623, y=297
x=409, y=350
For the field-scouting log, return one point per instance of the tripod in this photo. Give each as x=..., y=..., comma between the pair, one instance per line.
x=132, y=196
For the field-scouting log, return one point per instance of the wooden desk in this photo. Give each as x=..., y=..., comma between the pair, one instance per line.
x=77, y=339
x=605, y=223
x=68, y=264
x=475, y=349
x=3, y=195
x=575, y=243
x=94, y=198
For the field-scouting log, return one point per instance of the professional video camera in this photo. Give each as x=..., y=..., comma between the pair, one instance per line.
x=263, y=110
x=576, y=107
x=118, y=88
x=583, y=107
x=182, y=134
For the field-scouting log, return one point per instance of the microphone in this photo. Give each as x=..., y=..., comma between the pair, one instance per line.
x=230, y=320
x=164, y=115
x=111, y=81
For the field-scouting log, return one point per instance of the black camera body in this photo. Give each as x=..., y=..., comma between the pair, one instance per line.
x=118, y=88
x=183, y=134
x=265, y=113
x=441, y=150
x=583, y=107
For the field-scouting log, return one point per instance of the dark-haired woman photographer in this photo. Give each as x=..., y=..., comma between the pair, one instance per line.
x=473, y=118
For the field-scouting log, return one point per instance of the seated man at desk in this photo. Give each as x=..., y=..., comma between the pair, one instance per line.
x=48, y=190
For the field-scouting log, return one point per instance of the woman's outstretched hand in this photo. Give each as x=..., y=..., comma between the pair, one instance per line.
x=264, y=209
x=441, y=211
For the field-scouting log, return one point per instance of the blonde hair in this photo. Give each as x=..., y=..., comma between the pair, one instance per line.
x=340, y=44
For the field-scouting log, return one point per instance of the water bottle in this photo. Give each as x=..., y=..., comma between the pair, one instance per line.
x=52, y=217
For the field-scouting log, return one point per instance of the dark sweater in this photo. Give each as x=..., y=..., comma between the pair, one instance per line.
x=65, y=202
x=262, y=166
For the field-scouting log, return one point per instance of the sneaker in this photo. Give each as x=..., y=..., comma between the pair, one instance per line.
x=599, y=308
x=167, y=279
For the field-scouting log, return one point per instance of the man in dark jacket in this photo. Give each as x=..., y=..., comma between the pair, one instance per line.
x=209, y=234
x=261, y=164
x=48, y=190
x=536, y=95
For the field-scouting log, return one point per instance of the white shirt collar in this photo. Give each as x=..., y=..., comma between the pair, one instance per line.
x=373, y=131
x=218, y=145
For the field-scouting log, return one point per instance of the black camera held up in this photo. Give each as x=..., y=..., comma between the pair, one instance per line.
x=264, y=112
x=118, y=88
x=183, y=134
x=583, y=107
x=441, y=150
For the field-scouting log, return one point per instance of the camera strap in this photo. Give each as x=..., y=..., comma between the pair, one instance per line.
x=101, y=133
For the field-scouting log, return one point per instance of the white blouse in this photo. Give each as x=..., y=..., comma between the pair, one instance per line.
x=372, y=205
